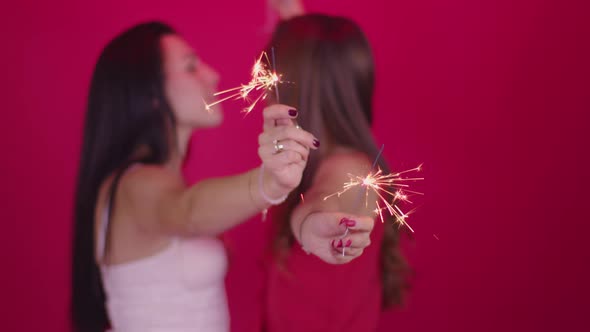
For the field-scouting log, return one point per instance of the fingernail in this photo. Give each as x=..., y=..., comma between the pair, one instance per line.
x=350, y=223
x=343, y=221
x=316, y=143
x=349, y=243
x=340, y=244
x=332, y=243
x=293, y=113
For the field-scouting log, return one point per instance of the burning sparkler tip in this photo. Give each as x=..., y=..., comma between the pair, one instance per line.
x=263, y=80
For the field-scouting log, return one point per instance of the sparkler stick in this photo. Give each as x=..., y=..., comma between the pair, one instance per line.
x=274, y=68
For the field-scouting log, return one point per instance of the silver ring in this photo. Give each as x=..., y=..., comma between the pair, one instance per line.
x=278, y=146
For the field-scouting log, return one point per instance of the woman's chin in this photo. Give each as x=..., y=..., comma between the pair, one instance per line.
x=216, y=117
x=213, y=119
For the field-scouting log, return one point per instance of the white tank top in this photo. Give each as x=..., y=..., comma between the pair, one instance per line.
x=179, y=289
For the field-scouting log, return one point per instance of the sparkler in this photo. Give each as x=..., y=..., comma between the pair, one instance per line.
x=384, y=185
x=263, y=80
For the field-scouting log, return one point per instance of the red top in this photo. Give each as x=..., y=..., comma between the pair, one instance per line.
x=307, y=294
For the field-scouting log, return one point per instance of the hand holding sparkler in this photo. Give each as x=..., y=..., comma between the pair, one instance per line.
x=284, y=151
x=321, y=234
x=318, y=225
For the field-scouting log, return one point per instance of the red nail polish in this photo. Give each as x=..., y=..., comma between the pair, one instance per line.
x=350, y=223
x=344, y=221
x=293, y=113
x=349, y=243
x=316, y=143
x=340, y=244
x=332, y=243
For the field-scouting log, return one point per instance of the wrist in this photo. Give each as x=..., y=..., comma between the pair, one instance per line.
x=298, y=235
x=270, y=191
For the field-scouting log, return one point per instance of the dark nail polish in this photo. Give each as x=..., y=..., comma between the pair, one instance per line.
x=293, y=113
x=349, y=243
x=350, y=223
x=316, y=143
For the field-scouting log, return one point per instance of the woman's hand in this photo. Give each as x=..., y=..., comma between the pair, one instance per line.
x=334, y=237
x=283, y=149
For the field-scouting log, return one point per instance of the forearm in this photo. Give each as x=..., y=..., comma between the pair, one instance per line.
x=218, y=204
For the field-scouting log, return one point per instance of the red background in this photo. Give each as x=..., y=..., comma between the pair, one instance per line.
x=491, y=96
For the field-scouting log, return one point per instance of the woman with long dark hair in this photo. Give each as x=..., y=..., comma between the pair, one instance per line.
x=145, y=256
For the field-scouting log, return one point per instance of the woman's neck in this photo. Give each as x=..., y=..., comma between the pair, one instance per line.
x=178, y=149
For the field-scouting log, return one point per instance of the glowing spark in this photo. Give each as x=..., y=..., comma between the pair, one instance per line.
x=263, y=80
x=384, y=186
x=379, y=211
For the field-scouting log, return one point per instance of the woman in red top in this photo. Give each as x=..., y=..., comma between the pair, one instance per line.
x=329, y=62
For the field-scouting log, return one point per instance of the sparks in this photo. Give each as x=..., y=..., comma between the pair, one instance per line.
x=384, y=186
x=263, y=80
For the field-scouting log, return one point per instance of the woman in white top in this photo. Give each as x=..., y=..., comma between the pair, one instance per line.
x=145, y=256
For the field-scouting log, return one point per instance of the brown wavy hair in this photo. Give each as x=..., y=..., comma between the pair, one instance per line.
x=328, y=66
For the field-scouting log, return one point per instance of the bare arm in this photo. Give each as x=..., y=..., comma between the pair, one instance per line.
x=161, y=202
x=320, y=225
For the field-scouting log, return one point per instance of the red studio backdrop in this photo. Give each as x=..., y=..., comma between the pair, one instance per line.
x=491, y=96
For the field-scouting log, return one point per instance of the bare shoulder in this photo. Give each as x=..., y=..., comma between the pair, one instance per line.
x=148, y=192
x=150, y=178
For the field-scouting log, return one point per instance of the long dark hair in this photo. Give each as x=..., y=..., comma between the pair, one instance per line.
x=328, y=59
x=126, y=110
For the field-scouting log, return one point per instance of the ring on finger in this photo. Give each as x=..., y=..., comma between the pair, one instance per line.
x=278, y=146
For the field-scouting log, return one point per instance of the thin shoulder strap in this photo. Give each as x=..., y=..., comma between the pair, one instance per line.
x=103, y=235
